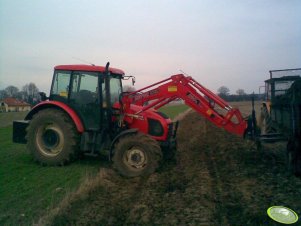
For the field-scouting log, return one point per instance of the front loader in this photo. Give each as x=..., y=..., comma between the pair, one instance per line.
x=87, y=112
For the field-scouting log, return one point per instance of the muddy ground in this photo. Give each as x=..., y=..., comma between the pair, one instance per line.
x=216, y=179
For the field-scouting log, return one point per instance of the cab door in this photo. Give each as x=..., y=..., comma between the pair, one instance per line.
x=84, y=98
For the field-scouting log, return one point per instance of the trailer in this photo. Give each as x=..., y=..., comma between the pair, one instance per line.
x=280, y=117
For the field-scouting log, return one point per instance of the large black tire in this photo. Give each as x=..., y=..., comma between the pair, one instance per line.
x=294, y=157
x=52, y=138
x=136, y=155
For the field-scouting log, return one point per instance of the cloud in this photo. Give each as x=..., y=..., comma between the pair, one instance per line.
x=218, y=42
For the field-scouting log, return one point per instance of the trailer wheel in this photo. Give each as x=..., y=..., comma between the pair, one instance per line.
x=136, y=155
x=298, y=165
x=294, y=157
x=52, y=138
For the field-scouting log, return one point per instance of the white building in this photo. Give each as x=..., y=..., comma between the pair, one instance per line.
x=11, y=104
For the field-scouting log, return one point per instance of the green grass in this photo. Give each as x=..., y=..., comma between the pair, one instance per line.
x=173, y=110
x=6, y=118
x=28, y=190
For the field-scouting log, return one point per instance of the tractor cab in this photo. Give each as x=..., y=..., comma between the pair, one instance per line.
x=89, y=90
x=279, y=83
x=277, y=89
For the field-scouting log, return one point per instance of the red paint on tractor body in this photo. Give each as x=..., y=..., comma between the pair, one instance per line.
x=193, y=94
x=140, y=121
x=82, y=67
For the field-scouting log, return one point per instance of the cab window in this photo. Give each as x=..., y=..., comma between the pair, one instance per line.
x=84, y=87
x=115, y=89
x=60, y=86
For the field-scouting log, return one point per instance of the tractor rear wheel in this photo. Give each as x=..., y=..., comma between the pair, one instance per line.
x=52, y=138
x=136, y=155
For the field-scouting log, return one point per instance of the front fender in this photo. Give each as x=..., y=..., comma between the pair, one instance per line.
x=123, y=133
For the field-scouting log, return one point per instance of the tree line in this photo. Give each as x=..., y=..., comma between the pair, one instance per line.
x=241, y=95
x=29, y=93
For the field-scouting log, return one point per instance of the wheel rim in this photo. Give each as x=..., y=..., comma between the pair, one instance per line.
x=135, y=158
x=50, y=140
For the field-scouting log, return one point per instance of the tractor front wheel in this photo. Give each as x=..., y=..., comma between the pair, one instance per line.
x=136, y=155
x=52, y=138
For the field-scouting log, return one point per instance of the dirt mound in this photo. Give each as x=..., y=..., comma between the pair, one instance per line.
x=216, y=179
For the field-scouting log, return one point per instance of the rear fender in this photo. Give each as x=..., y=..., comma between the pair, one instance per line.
x=59, y=105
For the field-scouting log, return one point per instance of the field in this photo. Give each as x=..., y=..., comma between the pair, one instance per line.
x=6, y=118
x=173, y=110
x=28, y=190
x=216, y=179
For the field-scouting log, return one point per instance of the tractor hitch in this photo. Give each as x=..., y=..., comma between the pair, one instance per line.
x=252, y=131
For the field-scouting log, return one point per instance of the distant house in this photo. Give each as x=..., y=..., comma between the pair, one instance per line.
x=12, y=104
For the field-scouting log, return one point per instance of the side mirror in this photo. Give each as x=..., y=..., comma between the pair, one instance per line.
x=128, y=77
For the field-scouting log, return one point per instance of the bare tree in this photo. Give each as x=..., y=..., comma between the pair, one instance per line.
x=30, y=93
x=25, y=92
x=240, y=92
x=3, y=94
x=11, y=91
x=223, y=91
x=21, y=95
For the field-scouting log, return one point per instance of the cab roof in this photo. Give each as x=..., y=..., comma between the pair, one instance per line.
x=84, y=67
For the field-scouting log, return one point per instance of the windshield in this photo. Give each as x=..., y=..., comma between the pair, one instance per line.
x=282, y=86
x=60, y=85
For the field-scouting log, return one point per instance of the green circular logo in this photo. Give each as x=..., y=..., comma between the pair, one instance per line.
x=282, y=214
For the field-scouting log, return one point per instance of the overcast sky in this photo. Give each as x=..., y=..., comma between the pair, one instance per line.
x=231, y=43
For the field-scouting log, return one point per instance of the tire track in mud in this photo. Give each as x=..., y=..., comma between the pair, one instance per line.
x=216, y=179
x=234, y=185
x=223, y=167
x=181, y=192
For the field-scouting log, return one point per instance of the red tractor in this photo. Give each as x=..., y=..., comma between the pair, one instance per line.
x=88, y=112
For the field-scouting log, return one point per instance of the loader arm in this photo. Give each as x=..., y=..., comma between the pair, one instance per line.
x=199, y=98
